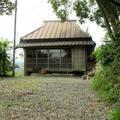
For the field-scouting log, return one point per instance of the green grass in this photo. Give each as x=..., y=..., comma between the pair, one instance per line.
x=114, y=114
x=14, y=95
x=7, y=104
x=9, y=86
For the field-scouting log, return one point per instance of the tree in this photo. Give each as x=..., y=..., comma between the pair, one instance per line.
x=6, y=7
x=5, y=63
x=104, y=12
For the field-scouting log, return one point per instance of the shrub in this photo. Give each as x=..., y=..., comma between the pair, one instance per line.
x=105, y=86
x=114, y=114
x=107, y=78
x=5, y=63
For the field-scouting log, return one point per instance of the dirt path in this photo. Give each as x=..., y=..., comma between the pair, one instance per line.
x=54, y=98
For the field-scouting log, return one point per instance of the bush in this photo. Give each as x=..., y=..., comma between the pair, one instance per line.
x=104, y=85
x=114, y=114
x=5, y=63
x=107, y=78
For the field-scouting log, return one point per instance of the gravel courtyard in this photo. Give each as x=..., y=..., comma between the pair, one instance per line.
x=49, y=98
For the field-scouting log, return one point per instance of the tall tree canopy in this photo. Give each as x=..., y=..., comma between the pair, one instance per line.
x=104, y=12
x=6, y=7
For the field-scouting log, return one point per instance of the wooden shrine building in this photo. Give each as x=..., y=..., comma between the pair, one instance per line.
x=57, y=47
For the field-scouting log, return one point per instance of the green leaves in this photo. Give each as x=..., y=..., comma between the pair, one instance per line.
x=54, y=4
x=60, y=7
x=81, y=9
x=6, y=7
x=64, y=2
x=104, y=13
x=4, y=58
x=62, y=14
x=114, y=114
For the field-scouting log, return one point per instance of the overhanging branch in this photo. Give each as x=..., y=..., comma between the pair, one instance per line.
x=115, y=3
x=110, y=31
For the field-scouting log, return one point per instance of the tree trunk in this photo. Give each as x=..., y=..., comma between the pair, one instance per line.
x=110, y=13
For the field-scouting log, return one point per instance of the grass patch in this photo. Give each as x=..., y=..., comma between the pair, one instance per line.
x=46, y=103
x=8, y=104
x=15, y=92
x=9, y=86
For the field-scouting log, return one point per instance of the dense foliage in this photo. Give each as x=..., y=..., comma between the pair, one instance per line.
x=6, y=7
x=5, y=64
x=107, y=79
x=108, y=74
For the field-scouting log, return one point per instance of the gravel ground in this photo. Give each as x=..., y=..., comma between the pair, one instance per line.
x=54, y=98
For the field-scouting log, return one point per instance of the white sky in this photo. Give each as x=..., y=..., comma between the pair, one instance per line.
x=31, y=14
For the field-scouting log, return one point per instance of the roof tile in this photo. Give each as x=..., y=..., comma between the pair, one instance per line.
x=57, y=29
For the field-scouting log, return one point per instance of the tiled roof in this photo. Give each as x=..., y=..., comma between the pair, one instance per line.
x=57, y=29
x=57, y=33
x=63, y=43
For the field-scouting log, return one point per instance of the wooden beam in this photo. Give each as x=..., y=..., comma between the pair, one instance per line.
x=48, y=59
x=60, y=61
x=25, y=56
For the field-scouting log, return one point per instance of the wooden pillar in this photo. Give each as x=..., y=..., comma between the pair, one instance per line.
x=36, y=58
x=85, y=72
x=60, y=61
x=48, y=59
x=25, y=56
x=72, y=58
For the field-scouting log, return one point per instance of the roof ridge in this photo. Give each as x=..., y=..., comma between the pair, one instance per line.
x=58, y=20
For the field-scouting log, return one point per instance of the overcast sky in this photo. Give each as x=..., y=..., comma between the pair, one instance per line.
x=31, y=14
